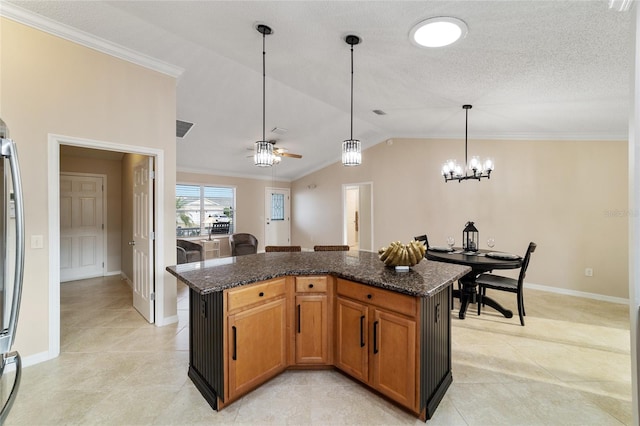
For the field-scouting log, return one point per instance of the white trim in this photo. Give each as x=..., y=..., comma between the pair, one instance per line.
x=171, y=320
x=54, y=227
x=26, y=17
x=227, y=174
x=112, y=273
x=576, y=293
x=30, y=360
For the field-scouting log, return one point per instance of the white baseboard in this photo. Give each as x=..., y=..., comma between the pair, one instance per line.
x=565, y=291
x=32, y=360
x=166, y=321
x=112, y=273
x=126, y=278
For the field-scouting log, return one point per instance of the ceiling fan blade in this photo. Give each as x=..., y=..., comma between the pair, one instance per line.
x=288, y=154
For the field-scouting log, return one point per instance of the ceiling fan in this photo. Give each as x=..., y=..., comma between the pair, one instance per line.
x=279, y=152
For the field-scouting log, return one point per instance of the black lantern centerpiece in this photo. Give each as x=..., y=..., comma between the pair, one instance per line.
x=470, y=237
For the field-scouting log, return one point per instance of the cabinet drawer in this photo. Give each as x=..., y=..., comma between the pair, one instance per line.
x=249, y=295
x=311, y=284
x=390, y=300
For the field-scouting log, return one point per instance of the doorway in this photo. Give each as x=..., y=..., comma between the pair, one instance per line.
x=277, y=208
x=357, y=203
x=155, y=266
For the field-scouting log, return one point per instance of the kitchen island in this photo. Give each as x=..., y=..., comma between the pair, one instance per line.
x=251, y=317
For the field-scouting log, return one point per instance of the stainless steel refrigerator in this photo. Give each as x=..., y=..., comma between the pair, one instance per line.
x=11, y=269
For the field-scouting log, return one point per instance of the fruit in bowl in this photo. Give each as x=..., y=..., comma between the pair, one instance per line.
x=398, y=254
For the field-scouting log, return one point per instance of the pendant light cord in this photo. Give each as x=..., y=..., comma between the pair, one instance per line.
x=351, y=92
x=264, y=76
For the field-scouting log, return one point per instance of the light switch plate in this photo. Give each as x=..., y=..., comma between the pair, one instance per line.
x=37, y=241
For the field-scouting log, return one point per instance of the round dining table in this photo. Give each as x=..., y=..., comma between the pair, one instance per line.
x=479, y=263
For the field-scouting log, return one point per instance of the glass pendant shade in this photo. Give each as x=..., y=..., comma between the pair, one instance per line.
x=263, y=154
x=351, y=152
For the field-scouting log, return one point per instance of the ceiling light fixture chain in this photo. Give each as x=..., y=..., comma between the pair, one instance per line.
x=473, y=169
x=351, y=148
x=263, y=153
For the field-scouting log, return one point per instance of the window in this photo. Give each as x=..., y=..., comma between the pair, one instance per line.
x=201, y=210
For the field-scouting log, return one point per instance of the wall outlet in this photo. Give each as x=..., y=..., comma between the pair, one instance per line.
x=588, y=272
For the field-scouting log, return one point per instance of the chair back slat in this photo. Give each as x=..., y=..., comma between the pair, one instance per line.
x=525, y=263
x=282, y=249
x=331, y=248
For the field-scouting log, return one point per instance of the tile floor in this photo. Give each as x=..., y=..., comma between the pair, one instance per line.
x=570, y=365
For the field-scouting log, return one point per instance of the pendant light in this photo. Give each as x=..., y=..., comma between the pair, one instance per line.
x=351, y=149
x=473, y=169
x=263, y=151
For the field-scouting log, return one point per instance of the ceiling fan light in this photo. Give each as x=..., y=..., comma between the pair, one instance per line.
x=438, y=32
x=351, y=152
x=263, y=154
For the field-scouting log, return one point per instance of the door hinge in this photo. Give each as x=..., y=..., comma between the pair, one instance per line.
x=152, y=235
x=152, y=174
x=103, y=226
x=152, y=297
x=103, y=265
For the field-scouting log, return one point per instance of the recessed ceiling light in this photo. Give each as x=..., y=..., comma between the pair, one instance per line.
x=438, y=32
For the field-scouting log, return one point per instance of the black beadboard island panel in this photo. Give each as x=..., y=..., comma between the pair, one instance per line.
x=430, y=281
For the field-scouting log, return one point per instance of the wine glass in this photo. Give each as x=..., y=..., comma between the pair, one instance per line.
x=491, y=242
x=450, y=242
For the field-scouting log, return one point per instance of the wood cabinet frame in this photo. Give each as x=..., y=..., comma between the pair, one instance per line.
x=208, y=343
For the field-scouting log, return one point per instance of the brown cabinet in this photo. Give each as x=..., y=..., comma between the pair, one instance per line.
x=312, y=320
x=376, y=340
x=256, y=335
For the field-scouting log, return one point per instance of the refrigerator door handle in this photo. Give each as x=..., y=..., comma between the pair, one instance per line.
x=8, y=149
x=9, y=358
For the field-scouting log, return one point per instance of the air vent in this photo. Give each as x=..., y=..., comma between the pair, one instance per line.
x=182, y=128
x=379, y=112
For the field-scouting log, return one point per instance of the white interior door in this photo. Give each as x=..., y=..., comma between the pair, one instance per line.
x=143, y=276
x=357, y=202
x=277, y=204
x=352, y=216
x=81, y=226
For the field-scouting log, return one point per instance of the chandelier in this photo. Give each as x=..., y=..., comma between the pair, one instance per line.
x=473, y=169
x=263, y=149
x=351, y=149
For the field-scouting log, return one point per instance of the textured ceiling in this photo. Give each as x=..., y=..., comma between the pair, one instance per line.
x=531, y=69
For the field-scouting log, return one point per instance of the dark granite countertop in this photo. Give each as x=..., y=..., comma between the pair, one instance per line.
x=424, y=279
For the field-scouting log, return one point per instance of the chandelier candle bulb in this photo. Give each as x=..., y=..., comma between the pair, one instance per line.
x=474, y=169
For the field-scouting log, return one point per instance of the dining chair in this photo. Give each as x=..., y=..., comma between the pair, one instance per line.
x=331, y=248
x=282, y=249
x=423, y=239
x=510, y=285
x=243, y=243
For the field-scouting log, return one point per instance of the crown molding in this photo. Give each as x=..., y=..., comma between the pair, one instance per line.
x=23, y=16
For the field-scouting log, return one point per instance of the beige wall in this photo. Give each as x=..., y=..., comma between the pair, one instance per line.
x=113, y=171
x=249, y=214
x=570, y=197
x=53, y=86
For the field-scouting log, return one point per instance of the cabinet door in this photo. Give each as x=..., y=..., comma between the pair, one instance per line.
x=311, y=329
x=351, y=338
x=256, y=345
x=394, y=357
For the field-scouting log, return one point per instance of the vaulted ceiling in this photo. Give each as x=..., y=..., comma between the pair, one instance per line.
x=531, y=69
